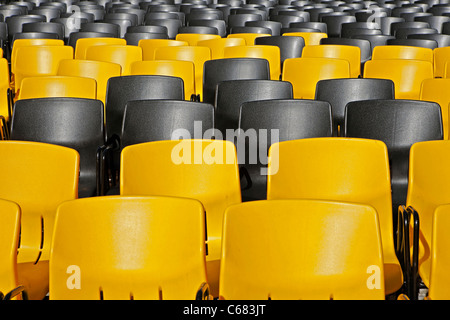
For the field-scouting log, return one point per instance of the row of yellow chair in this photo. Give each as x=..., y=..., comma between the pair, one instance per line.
x=344, y=170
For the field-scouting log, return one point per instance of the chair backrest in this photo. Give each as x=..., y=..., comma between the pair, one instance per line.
x=124, y=55
x=149, y=46
x=40, y=176
x=218, y=70
x=133, y=38
x=290, y=47
x=70, y=122
x=304, y=73
x=336, y=169
x=205, y=170
x=440, y=258
x=406, y=74
x=435, y=90
x=442, y=40
x=399, y=124
x=362, y=44
x=429, y=175
x=350, y=53
x=339, y=92
x=217, y=46
x=270, y=53
x=292, y=249
x=193, y=38
x=174, y=68
x=137, y=87
x=5, y=86
x=104, y=27
x=47, y=27
x=220, y=25
x=39, y=61
x=9, y=242
x=83, y=44
x=441, y=56
x=76, y=35
x=248, y=37
x=196, y=54
x=423, y=43
x=100, y=71
x=155, y=120
x=89, y=241
x=231, y=94
x=265, y=122
x=58, y=86
x=402, y=52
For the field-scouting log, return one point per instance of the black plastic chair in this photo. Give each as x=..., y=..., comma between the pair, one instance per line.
x=15, y=23
x=334, y=24
x=443, y=40
x=321, y=26
x=102, y=27
x=147, y=29
x=290, y=47
x=198, y=30
x=70, y=25
x=286, y=20
x=315, y=12
x=140, y=14
x=220, y=25
x=218, y=70
x=274, y=26
x=399, y=124
x=133, y=38
x=282, y=120
x=339, y=92
x=403, y=33
x=408, y=26
x=239, y=20
x=79, y=15
x=48, y=12
x=424, y=43
x=74, y=36
x=231, y=94
x=47, y=27
x=375, y=40
x=247, y=29
x=172, y=25
x=363, y=45
x=435, y=22
x=72, y=122
x=386, y=22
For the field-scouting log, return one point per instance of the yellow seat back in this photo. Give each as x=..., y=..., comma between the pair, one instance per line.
x=338, y=169
x=84, y=43
x=150, y=45
x=175, y=68
x=407, y=75
x=197, y=55
x=270, y=53
x=301, y=249
x=441, y=56
x=58, y=86
x=4, y=87
x=311, y=38
x=402, y=52
x=350, y=53
x=304, y=73
x=35, y=61
x=205, y=170
x=429, y=185
x=436, y=90
x=124, y=55
x=193, y=38
x=118, y=248
x=440, y=256
x=217, y=46
x=9, y=240
x=100, y=71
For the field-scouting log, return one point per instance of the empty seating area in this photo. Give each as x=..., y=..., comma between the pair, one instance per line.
x=224, y=150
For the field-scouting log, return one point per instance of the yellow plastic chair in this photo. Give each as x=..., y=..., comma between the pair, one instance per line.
x=440, y=257
x=248, y=37
x=270, y=53
x=436, y=90
x=301, y=249
x=150, y=45
x=311, y=38
x=35, y=61
x=100, y=71
x=339, y=169
x=58, y=86
x=441, y=56
x=175, y=68
x=350, y=53
x=193, y=38
x=39, y=178
x=217, y=46
x=29, y=42
x=5, y=91
x=407, y=75
x=429, y=182
x=402, y=52
x=304, y=73
x=9, y=241
x=119, y=248
x=124, y=55
x=84, y=43
x=205, y=170
x=197, y=55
